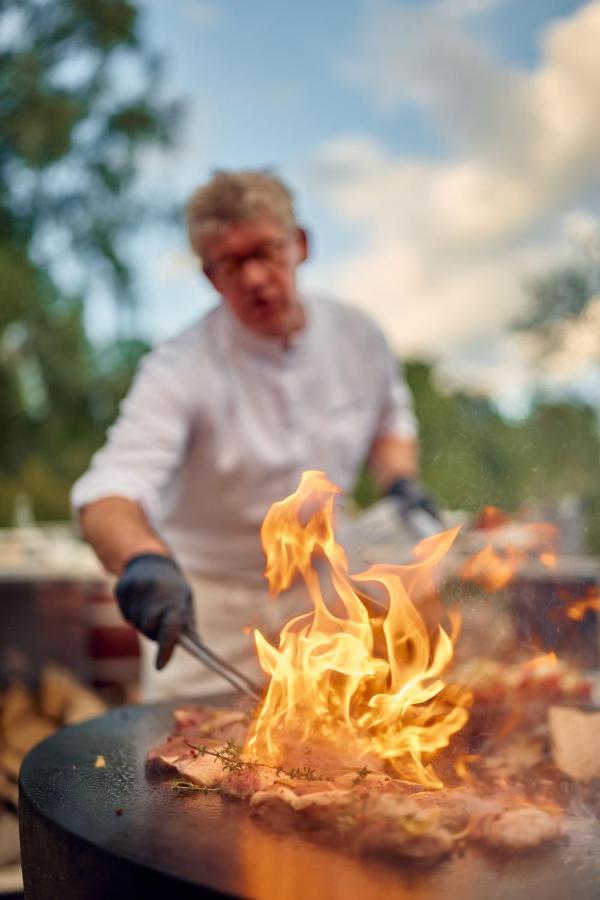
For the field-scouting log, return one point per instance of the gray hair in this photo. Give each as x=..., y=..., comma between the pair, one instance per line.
x=238, y=196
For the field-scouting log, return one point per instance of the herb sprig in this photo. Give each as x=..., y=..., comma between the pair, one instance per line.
x=230, y=757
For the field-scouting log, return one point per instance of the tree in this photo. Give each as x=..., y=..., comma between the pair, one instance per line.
x=78, y=102
x=469, y=453
x=562, y=296
x=71, y=128
x=471, y=456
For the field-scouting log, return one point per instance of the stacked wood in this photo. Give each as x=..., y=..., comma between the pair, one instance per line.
x=31, y=709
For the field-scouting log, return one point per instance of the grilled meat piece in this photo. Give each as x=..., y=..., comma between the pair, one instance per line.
x=313, y=804
x=518, y=830
x=197, y=722
x=455, y=809
x=161, y=759
x=244, y=784
x=416, y=837
x=176, y=756
x=395, y=826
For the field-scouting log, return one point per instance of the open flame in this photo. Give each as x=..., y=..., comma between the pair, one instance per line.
x=353, y=682
x=578, y=609
x=493, y=567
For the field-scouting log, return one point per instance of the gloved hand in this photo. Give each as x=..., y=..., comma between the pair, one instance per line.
x=412, y=498
x=155, y=597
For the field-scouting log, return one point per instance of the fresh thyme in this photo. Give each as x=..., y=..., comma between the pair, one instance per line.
x=304, y=774
x=230, y=757
x=361, y=775
x=188, y=786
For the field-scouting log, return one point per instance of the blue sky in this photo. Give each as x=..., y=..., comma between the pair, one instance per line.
x=441, y=152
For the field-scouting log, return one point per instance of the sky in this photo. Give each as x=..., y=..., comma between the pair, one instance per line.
x=441, y=154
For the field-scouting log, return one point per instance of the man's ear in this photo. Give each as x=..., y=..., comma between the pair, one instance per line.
x=303, y=243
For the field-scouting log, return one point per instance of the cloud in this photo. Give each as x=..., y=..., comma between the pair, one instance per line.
x=460, y=9
x=446, y=245
x=204, y=13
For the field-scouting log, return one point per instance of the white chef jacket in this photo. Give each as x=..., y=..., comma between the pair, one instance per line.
x=220, y=422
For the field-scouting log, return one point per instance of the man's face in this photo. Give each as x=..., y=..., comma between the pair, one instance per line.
x=252, y=264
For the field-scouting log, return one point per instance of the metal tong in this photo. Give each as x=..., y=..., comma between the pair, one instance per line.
x=190, y=641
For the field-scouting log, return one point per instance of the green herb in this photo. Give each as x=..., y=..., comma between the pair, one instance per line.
x=188, y=786
x=229, y=756
x=361, y=775
x=304, y=774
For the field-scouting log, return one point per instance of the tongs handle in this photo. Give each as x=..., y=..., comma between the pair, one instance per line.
x=190, y=641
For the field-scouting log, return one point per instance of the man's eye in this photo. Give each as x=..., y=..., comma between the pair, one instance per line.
x=268, y=252
x=228, y=266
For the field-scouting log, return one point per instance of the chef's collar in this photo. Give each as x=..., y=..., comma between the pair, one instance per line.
x=264, y=345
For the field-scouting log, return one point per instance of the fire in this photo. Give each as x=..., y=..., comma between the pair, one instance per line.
x=497, y=564
x=540, y=663
x=492, y=569
x=350, y=683
x=578, y=609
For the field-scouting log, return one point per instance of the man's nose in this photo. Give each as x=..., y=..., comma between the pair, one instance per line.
x=253, y=272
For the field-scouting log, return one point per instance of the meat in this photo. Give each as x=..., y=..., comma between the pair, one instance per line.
x=313, y=806
x=198, y=722
x=367, y=811
x=201, y=768
x=415, y=837
x=456, y=809
x=198, y=728
x=161, y=760
x=244, y=784
x=177, y=756
x=395, y=826
x=518, y=830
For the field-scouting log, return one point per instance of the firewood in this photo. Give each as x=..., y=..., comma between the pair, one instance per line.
x=9, y=792
x=10, y=762
x=9, y=838
x=15, y=703
x=27, y=732
x=65, y=700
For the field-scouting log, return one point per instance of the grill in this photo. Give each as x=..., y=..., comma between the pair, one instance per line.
x=90, y=833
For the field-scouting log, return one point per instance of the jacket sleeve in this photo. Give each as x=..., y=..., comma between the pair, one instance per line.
x=147, y=442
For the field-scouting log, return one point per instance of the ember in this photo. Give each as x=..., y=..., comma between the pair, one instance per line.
x=347, y=684
x=498, y=562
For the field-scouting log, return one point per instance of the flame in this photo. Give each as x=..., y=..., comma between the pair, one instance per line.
x=491, y=517
x=496, y=565
x=578, y=609
x=462, y=764
x=545, y=661
x=548, y=558
x=349, y=682
x=492, y=569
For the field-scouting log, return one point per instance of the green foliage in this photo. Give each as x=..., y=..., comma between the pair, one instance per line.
x=71, y=130
x=67, y=117
x=561, y=296
x=469, y=453
x=471, y=456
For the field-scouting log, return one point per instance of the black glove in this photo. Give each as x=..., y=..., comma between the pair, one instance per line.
x=411, y=496
x=155, y=597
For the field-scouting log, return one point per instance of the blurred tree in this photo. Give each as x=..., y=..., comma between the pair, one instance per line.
x=78, y=102
x=469, y=453
x=562, y=296
x=471, y=456
x=561, y=439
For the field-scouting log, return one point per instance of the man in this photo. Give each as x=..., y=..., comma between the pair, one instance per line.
x=222, y=420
